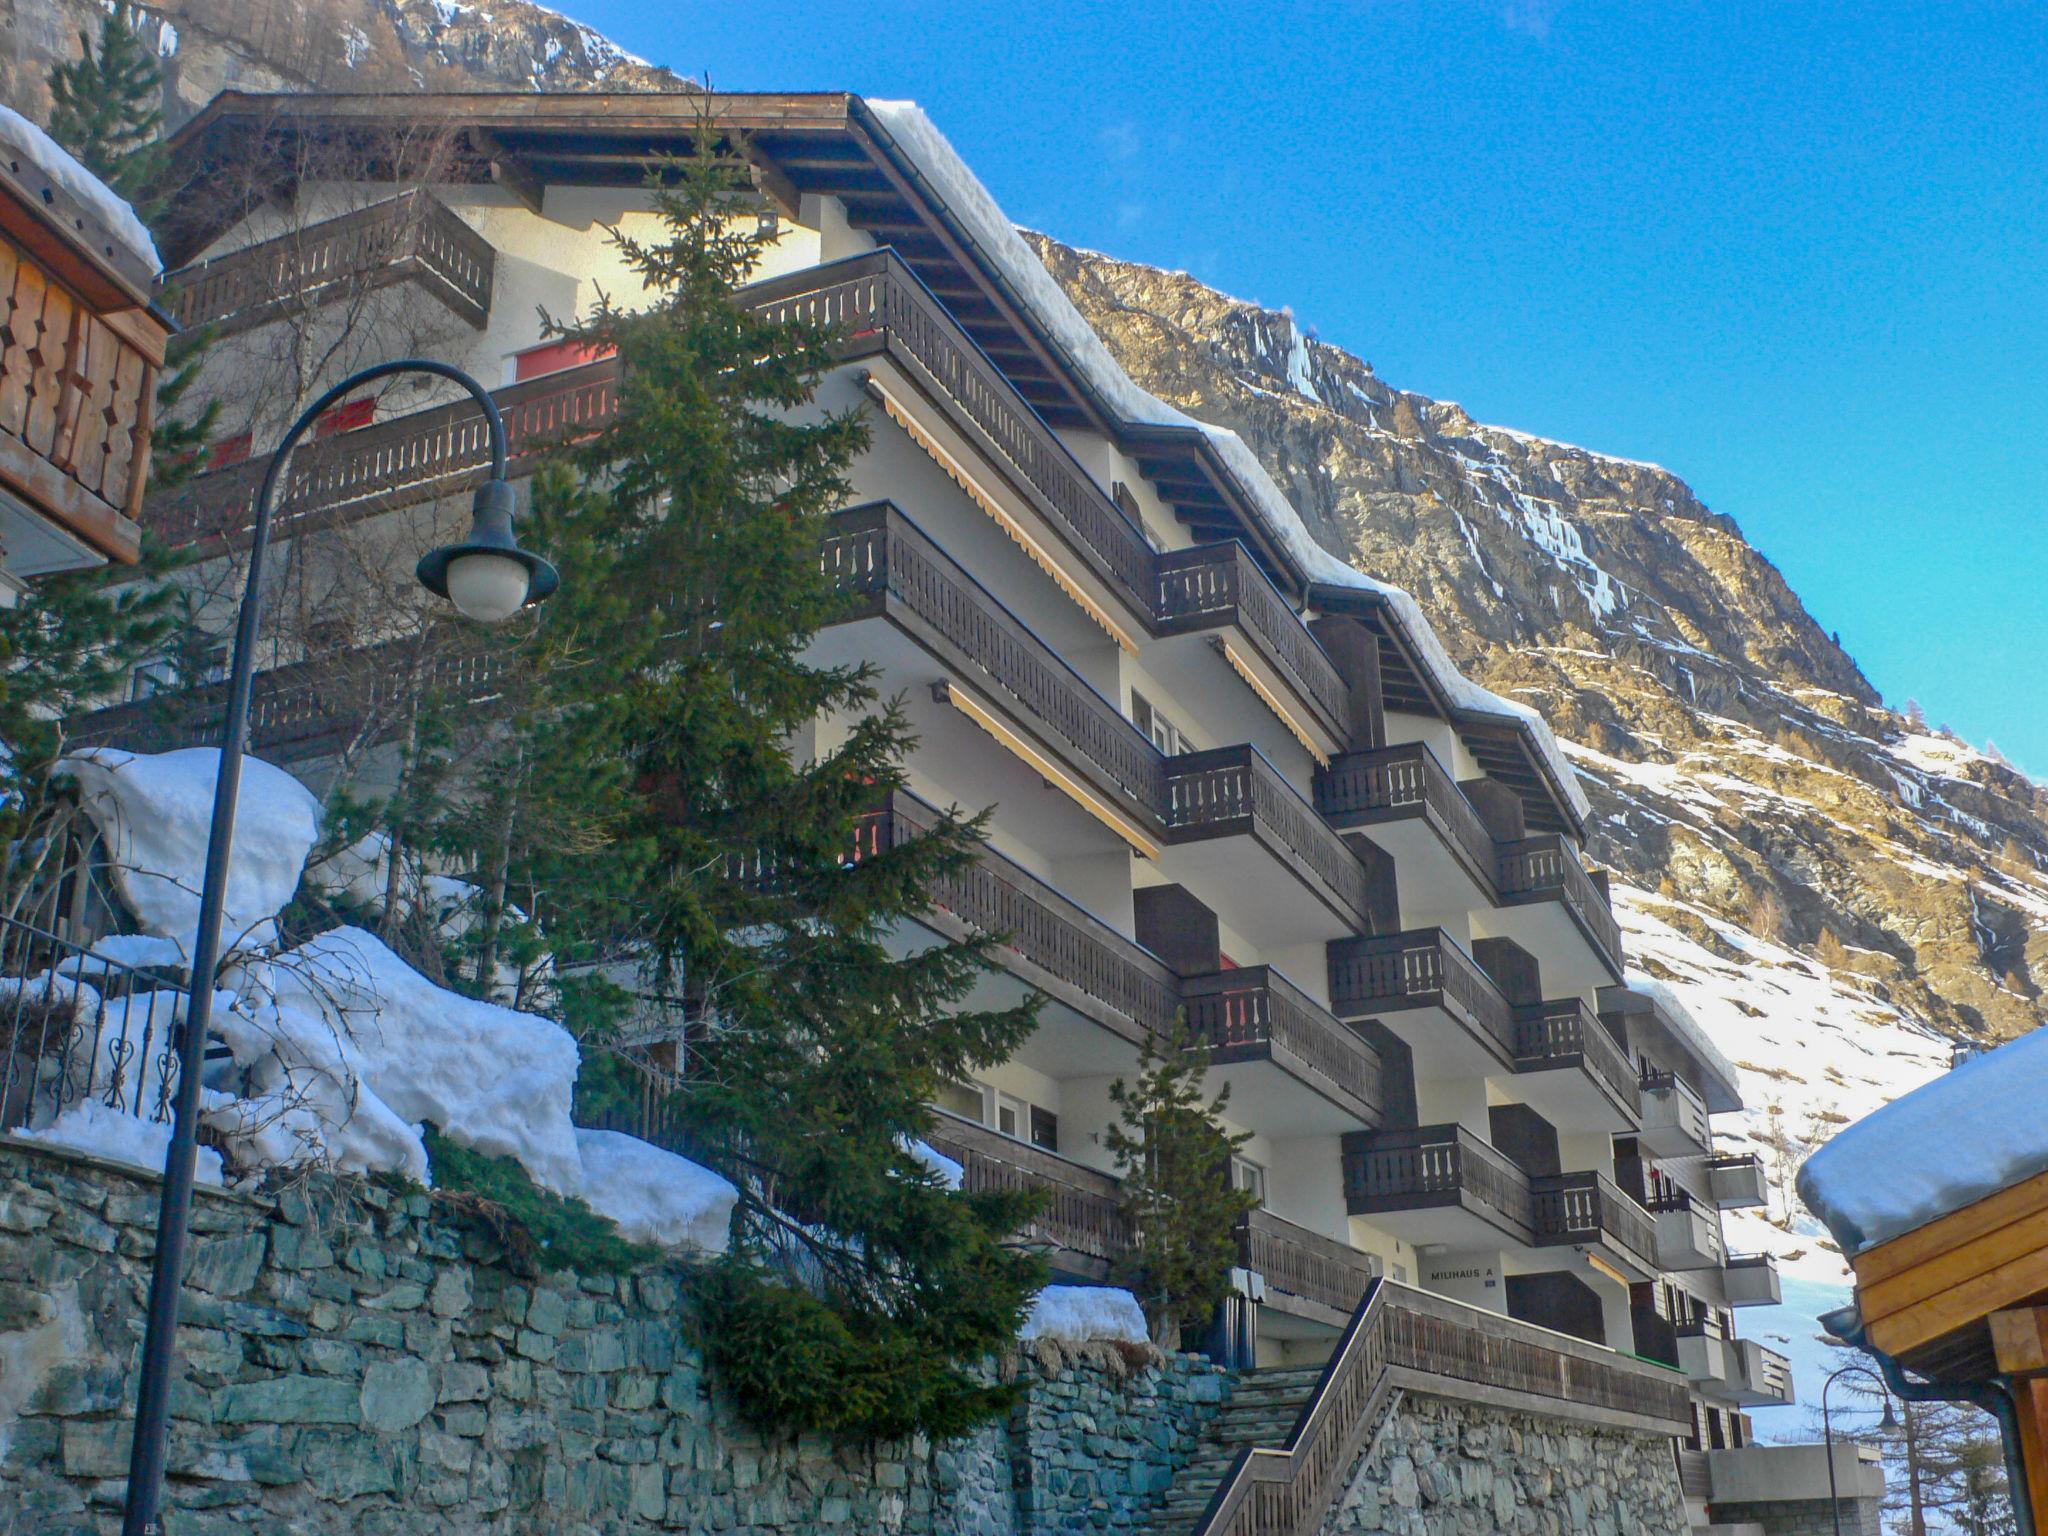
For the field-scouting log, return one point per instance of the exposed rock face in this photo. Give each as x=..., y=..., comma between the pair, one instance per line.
x=209, y=46
x=1739, y=761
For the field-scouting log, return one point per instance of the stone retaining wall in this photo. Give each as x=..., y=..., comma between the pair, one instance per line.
x=1443, y=1468
x=356, y=1364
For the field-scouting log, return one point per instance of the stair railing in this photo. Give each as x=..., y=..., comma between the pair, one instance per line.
x=1269, y=1492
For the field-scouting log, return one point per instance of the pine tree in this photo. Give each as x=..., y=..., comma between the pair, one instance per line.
x=107, y=110
x=106, y=107
x=658, y=814
x=1173, y=1155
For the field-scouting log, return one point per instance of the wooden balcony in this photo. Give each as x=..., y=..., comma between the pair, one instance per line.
x=1573, y=1069
x=1588, y=1210
x=1431, y=993
x=1049, y=943
x=1438, y=1184
x=78, y=369
x=1674, y=1117
x=1306, y=1274
x=878, y=556
x=1255, y=1015
x=1737, y=1180
x=1236, y=792
x=412, y=238
x=1548, y=868
x=1215, y=585
x=1405, y=784
x=419, y=457
x=1083, y=1223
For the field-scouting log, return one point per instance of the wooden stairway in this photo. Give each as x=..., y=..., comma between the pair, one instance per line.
x=1262, y=1410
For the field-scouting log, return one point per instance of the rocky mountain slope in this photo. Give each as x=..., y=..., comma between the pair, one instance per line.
x=209, y=46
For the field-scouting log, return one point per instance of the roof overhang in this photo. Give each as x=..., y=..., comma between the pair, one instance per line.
x=1721, y=1094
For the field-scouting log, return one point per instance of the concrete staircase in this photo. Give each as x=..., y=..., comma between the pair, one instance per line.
x=1262, y=1410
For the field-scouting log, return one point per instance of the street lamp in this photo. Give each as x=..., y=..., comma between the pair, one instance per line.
x=1827, y=1429
x=488, y=577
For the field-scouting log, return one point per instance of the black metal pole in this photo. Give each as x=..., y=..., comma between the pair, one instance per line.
x=159, y=1342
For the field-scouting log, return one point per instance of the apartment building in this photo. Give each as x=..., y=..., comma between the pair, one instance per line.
x=1228, y=776
x=80, y=346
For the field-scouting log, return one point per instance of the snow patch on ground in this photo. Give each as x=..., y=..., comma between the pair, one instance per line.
x=349, y=1049
x=1081, y=1314
x=654, y=1195
x=89, y=1126
x=154, y=813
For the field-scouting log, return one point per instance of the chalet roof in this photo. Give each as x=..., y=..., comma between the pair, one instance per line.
x=41, y=181
x=903, y=184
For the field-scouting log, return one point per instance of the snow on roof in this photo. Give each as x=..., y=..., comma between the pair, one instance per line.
x=1005, y=250
x=1690, y=1035
x=1946, y=1145
x=34, y=150
x=155, y=811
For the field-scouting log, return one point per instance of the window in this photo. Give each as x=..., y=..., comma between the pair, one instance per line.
x=962, y=1099
x=1166, y=736
x=151, y=678
x=1013, y=1116
x=1249, y=1177
x=346, y=417
x=1045, y=1129
x=553, y=357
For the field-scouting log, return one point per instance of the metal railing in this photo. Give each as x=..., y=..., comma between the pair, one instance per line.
x=77, y=1027
x=1399, y=1335
x=1564, y=1030
x=1251, y=1012
x=411, y=237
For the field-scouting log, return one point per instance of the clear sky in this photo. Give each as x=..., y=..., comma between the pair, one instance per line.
x=1793, y=252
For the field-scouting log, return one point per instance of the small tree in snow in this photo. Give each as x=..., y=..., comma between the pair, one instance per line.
x=1173, y=1155
x=1916, y=717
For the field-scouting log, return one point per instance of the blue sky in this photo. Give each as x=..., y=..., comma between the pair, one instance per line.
x=1795, y=253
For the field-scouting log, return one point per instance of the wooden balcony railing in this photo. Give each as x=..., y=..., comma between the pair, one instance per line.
x=1431, y=1166
x=1422, y=969
x=1547, y=868
x=1254, y=1013
x=409, y=238
x=1590, y=1208
x=1402, y=1337
x=1302, y=1263
x=1402, y=781
x=1235, y=790
x=1074, y=954
x=878, y=304
x=878, y=552
x=1212, y=584
x=1084, y=1214
x=409, y=459
x=1564, y=1031
x=77, y=397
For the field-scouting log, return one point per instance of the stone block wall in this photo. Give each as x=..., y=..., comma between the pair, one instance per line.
x=356, y=1364
x=1444, y=1468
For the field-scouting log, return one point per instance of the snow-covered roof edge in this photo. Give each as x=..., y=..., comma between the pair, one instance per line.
x=1691, y=1036
x=1934, y=1151
x=34, y=152
x=1034, y=287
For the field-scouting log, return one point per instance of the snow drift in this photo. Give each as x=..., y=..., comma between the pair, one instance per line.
x=1083, y=1314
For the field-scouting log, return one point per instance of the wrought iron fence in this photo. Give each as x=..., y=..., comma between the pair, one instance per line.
x=79, y=1026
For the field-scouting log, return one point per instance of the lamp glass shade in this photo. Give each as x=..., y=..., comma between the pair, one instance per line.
x=487, y=587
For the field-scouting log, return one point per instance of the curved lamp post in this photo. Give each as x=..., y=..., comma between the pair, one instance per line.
x=1827, y=1429
x=488, y=577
